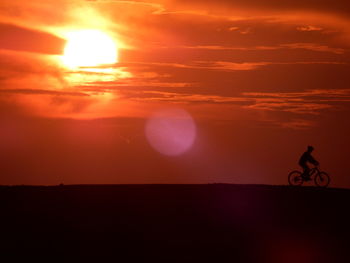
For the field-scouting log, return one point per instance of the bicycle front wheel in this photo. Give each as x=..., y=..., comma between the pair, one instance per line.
x=322, y=179
x=295, y=179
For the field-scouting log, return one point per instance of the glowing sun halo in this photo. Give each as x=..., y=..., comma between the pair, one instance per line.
x=89, y=48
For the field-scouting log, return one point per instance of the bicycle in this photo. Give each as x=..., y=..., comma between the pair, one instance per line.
x=321, y=179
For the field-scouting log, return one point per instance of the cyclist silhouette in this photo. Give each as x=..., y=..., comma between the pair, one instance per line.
x=307, y=158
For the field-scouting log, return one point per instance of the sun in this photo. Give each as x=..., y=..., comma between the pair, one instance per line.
x=89, y=48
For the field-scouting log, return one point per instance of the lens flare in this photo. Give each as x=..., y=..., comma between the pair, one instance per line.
x=171, y=132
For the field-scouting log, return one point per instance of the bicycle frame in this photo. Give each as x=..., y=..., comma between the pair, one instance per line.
x=314, y=171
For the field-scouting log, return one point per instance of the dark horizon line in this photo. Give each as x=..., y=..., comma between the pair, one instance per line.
x=171, y=184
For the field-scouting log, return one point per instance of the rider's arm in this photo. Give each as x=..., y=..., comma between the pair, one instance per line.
x=313, y=160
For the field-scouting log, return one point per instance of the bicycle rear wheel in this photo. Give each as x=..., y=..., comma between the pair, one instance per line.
x=295, y=179
x=322, y=179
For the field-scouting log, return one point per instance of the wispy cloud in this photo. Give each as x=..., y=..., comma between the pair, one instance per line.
x=311, y=102
x=176, y=97
x=336, y=94
x=14, y=37
x=309, y=28
x=314, y=47
x=42, y=92
x=297, y=124
x=306, y=46
x=288, y=106
x=307, y=102
x=174, y=58
x=230, y=66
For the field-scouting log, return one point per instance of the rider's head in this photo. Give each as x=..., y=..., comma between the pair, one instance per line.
x=310, y=148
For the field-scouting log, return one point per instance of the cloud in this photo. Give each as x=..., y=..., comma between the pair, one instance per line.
x=30, y=70
x=335, y=94
x=14, y=37
x=36, y=14
x=309, y=28
x=42, y=92
x=308, y=102
x=311, y=102
x=297, y=124
x=288, y=106
x=337, y=6
x=341, y=6
x=227, y=66
x=233, y=28
x=306, y=46
x=191, y=52
x=210, y=65
x=314, y=47
x=182, y=98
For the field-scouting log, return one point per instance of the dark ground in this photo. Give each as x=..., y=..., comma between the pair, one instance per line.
x=174, y=223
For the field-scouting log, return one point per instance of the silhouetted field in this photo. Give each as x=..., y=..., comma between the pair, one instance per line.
x=175, y=223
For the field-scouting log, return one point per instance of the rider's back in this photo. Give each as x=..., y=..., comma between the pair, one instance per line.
x=307, y=157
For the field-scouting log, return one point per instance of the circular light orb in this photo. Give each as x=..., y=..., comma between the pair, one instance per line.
x=89, y=48
x=171, y=132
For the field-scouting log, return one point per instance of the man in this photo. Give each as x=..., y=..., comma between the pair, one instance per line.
x=307, y=158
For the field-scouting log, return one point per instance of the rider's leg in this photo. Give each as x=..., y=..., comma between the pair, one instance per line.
x=307, y=173
x=306, y=170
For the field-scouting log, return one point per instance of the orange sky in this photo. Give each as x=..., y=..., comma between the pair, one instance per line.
x=259, y=80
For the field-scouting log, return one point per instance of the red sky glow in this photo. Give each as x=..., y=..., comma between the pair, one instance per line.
x=255, y=83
